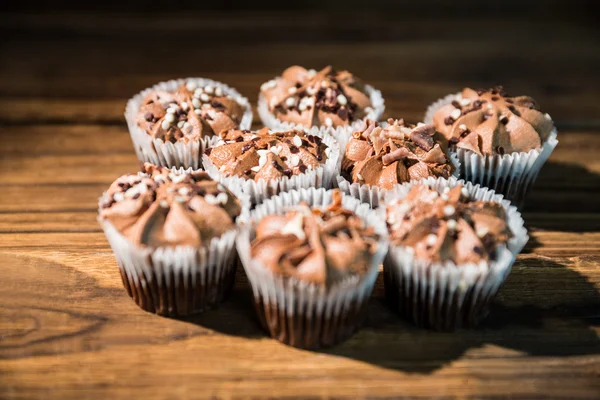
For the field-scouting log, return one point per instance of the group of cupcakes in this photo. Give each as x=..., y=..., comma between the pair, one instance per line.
x=313, y=203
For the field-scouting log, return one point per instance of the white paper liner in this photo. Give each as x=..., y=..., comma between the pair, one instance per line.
x=373, y=194
x=178, y=154
x=262, y=189
x=302, y=314
x=181, y=280
x=340, y=133
x=511, y=174
x=446, y=296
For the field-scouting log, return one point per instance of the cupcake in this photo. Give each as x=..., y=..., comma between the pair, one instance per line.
x=264, y=163
x=312, y=257
x=501, y=141
x=451, y=247
x=325, y=101
x=172, y=122
x=173, y=235
x=379, y=157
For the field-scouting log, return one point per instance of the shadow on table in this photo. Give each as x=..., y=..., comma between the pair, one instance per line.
x=562, y=189
x=544, y=309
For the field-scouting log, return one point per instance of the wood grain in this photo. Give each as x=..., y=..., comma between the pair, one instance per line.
x=69, y=330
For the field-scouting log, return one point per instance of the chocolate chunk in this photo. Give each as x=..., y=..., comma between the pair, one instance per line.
x=504, y=120
x=480, y=91
x=246, y=147
x=477, y=105
x=247, y=131
x=453, y=140
x=500, y=150
x=423, y=136
x=294, y=149
x=494, y=98
x=319, y=157
x=478, y=250
x=456, y=104
x=247, y=172
x=208, y=151
x=148, y=116
x=343, y=113
x=218, y=106
x=287, y=172
x=276, y=165
x=310, y=138
x=448, y=120
x=256, y=139
x=510, y=101
x=136, y=196
x=239, y=139
x=302, y=168
x=317, y=140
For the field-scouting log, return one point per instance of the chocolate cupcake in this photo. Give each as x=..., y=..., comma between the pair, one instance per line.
x=173, y=234
x=325, y=101
x=264, y=163
x=172, y=122
x=501, y=141
x=451, y=247
x=379, y=157
x=312, y=259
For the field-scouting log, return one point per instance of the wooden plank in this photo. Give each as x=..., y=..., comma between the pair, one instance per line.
x=86, y=319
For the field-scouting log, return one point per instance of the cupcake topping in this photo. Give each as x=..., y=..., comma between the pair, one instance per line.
x=319, y=246
x=160, y=208
x=188, y=114
x=490, y=122
x=314, y=98
x=397, y=153
x=447, y=226
x=267, y=155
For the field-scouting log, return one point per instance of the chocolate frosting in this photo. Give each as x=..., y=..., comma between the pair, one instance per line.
x=160, y=208
x=399, y=152
x=312, y=98
x=323, y=247
x=490, y=122
x=447, y=227
x=267, y=155
x=189, y=114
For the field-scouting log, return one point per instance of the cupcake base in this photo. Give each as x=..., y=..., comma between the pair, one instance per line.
x=171, y=296
x=175, y=281
x=310, y=330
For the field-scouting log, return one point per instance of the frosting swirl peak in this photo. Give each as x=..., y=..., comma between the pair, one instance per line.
x=490, y=122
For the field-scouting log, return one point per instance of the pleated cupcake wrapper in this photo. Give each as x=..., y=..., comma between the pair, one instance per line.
x=512, y=174
x=178, y=154
x=302, y=314
x=341, y=133
x=443, y=295
x=181, y=280
x=373, y=194
x=262, y=189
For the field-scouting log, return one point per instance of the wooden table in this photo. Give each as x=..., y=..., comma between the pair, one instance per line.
x=67, y=327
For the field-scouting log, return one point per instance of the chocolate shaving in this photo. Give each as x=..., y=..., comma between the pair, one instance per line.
x=423, y=136
x=395, y=155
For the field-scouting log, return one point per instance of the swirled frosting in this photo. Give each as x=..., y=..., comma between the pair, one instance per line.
x=189, y=113
x=399, y=152
x=313, y=245
x=448, y=226
x=267, y=155
x=311, y=98
x=160, y=208
x=490, y=122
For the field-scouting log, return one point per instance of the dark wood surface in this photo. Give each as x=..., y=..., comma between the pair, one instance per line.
x=67, y=327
